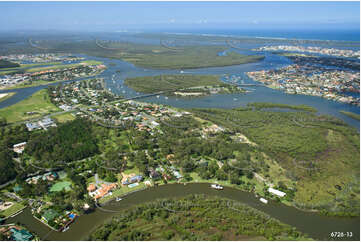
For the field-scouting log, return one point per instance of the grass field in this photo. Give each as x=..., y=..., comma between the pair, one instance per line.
x=36, y=69
x=62, y=118
x=92, y=62
x=39, y=102
x=24, y=67
x=12, y=210
x=45, y=66
x=122, y=191
x=59, y=186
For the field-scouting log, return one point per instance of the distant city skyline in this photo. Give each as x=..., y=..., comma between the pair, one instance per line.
x=119, y=16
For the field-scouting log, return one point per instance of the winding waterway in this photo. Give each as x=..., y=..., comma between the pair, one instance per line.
x=315, y=225
x=119, y=70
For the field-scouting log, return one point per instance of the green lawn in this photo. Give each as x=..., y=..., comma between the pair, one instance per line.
x=59, y=186
x=39, y=102
x=65, y=117
x=13, y=209
x=23, y=67
x=92, y=62
x=122, y=191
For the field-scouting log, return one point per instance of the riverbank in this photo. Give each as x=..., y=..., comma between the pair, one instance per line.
x=351, y=115
x=170, y=220
x=315, y=225
x=4, y=96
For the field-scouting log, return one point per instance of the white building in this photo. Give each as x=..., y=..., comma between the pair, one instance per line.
x=276, y=192
x=19, y=148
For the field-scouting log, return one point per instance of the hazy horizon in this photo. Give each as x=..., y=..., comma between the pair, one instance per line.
x=153, y=16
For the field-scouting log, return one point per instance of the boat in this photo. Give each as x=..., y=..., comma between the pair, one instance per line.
x=265, y=201
x=217, y=187
x=157, y=96
x=118, y=199
x=65, y=229
x=166, y=97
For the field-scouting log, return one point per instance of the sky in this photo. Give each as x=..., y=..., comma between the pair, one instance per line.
x=119, y=16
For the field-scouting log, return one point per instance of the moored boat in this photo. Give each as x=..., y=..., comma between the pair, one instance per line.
x=217, y=187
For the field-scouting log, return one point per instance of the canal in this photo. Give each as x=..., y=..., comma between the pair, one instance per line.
x=315, y=225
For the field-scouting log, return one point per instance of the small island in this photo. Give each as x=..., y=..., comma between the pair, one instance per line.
x=182, y=85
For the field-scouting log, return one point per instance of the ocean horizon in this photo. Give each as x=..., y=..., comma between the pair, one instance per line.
x=330, y=34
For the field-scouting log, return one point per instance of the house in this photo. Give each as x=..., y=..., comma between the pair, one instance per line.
x=19, y=148
x=177, y=175
x=91, y=187
x=134, y=179
x=202, y=163
x=154, y=174
x=20, y=235
x=46, y=122
x=32, y=126
x=104, y=190
x=276, y=192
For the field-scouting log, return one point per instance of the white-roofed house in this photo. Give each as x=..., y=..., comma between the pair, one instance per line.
x=276, y=192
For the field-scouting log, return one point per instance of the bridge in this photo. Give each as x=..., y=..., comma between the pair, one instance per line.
x=250, y=85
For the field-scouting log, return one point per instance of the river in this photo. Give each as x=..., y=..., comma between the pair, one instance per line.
x=315, y=225
x=119, y=70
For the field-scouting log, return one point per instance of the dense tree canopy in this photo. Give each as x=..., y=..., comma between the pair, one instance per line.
x=68, y=142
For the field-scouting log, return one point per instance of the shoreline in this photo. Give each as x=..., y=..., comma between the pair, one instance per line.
x=43, y=84
x=255, y=37
x=6, y=95
x=233, y=187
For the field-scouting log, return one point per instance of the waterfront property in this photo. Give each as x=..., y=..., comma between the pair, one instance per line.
x=17, y=233
x=19, y=148
x=276, y=192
